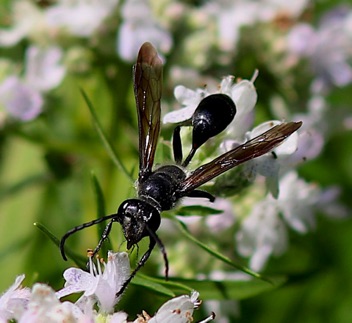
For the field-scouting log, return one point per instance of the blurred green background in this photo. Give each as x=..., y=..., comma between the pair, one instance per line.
x=46, y=168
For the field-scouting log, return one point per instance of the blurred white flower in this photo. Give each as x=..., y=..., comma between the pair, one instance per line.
x=216, y=222
x=328, y=48
x=262, y=234
x=188, y=98
x=22, y=98
x=242, y=93
x=19, y=99
x=222, y=221
x=44, y=307
x=27, y=19
x=264, y=231
x=231, y=16
x=41, y=304
x=310, y=144
x=79, y=17
x=270, y=164
x=43, y=69
x=14, y=301
x=178, y=310
x=139, y=25
x=98, y=286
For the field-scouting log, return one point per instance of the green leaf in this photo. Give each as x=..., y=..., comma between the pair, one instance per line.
x=108, y=146
x=153, y=284
x=191, y=210
x=217, y=254
x=99, y=197
x=100, y=213
x=170, y=283
x=231, y=289
x=79, y=260
x=209, y=289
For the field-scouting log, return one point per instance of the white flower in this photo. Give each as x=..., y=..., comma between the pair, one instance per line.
x=177, y=310
x=43, y=68
x=245, y=96
x=327, y=48
x=311, y=135
x=98, y=286
x=44, y=307
x=264, y=232
x=216, y=222
x=188, y=98
x=269, y=165
x=80, y=17
x=242, y=93
x=297, y=201
x=22, y=98
x=231, y=16
x=27, y=20
x=14, y=301
x=139, y=25
x=222, y=221
x=41, y=304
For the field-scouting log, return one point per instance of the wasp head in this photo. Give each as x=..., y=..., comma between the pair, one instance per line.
x=137, y=219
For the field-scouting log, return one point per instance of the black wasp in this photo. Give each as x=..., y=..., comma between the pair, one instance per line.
x=160, y=189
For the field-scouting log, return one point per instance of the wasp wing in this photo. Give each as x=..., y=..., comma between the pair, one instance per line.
x=253, y=148
x=147, y=90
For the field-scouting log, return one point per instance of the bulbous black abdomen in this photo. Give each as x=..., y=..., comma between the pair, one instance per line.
x=161, y=186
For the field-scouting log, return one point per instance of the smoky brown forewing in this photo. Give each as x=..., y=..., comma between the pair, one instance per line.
x=253, y=148
x=147, y=89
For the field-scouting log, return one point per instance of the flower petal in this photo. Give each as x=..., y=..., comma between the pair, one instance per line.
x=20, y=100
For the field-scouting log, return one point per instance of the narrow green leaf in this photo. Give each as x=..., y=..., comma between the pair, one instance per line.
x=79, y=260
x=197, y=210
x=100, y=213
x=209, y=289
x=48, y=233
x=173, y=284
x=231, y=289
x=99, y=197
x=218, y=255
x=108, y=146
x=153, y=285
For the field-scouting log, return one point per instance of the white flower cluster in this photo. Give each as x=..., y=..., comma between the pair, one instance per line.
x=41, y=304
x=291, y=201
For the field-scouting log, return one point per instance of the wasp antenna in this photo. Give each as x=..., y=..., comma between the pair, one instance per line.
x=81, y=227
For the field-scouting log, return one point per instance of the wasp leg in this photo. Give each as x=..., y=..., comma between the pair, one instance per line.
x=177, y=145
x=201, y=194
x=143, y=260
x=104, y=236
